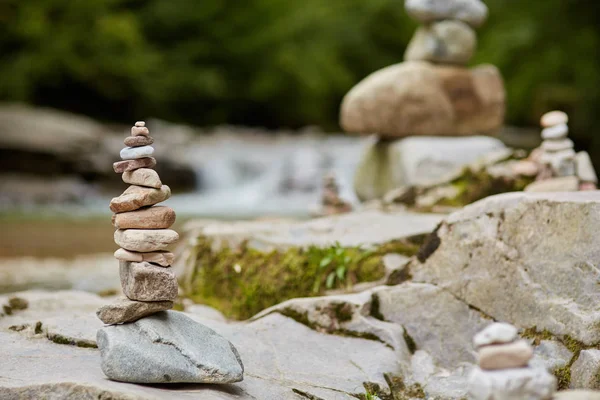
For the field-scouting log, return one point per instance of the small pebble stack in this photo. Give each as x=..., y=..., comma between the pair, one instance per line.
x=331, y=201
x=559, y=167
x=447, y=35
x=558, y=154
x=143, y=233
x=504, y=372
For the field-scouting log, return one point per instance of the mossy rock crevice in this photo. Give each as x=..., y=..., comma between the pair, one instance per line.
x=241, y=281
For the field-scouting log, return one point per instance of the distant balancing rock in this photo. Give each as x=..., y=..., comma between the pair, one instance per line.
x=432, y=92
x=132, y=348
x=560, y=167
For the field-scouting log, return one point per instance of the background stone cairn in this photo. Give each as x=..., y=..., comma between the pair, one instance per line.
x=560, y=167
x=504, y=372
x=143, y=233
x=331, y=201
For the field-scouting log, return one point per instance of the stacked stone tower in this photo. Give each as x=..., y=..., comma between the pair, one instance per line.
x=331, y=202
x=504, y=372
x=431, y=94
x=143, y=233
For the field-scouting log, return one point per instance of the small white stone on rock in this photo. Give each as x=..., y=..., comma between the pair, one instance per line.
x=133, y=153
x=557, y=145
x=585, y=168
x=585, y=371
x=496, y=333
x=554, y=118
x=140, y=124
x=504, y=356
x=562, y=184
x=555, y=132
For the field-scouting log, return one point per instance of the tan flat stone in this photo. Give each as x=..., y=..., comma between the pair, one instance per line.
x=126, y=310
x=146, y=282
x=143, y=177
x=145, y=240
x=504, y=356
x=139, y=130
x=131, y=165
x=162, y=258
x=136, y=197
x=135, y=141
x=126, y=255
x=156, y=217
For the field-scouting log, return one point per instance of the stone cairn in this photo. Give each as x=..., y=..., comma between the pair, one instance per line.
x=432, y=93
x=560, y=168
x=144, y=341
x=331, y=202
x=504, y=372
x=143, y=233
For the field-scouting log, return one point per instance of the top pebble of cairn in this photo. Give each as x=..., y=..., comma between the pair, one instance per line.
x=472, y=12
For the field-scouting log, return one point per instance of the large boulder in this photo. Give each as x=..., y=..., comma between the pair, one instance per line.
x=418, y=98
x=525, y=258
x=417, y=161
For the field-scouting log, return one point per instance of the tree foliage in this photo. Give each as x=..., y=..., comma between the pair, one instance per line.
x=274, y=62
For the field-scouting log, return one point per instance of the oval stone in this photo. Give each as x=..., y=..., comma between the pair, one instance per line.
x=136, y=197
x=158, y=217
x=136, y=141
x=131, y=165
x=554, y=118
x=143, y=177
x=145, y=240
x=132, y=153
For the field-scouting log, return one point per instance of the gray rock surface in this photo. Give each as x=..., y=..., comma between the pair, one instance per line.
x=473, y=12
x=577, y=395
x=125, y=310
x=551, y=354
x=586, y=370
x=280, y=355
x=414, y=305
x=488, y=256
x=448, y=42
x=168, y=347
x=511, y=384
x=561, y=184
x=417, y=161
x=147, y=282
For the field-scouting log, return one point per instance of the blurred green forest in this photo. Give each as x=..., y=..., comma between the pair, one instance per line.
x=275, y=63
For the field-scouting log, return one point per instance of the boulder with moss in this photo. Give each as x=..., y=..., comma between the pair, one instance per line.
x=241, y=268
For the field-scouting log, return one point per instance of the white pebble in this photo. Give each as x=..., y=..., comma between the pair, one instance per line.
x=496, y=333
x=132, y=153
x=554, y=118
x=555, y=132
x=140, y=124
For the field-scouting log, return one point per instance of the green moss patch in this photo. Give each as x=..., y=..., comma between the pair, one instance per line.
x=397, y=390
x=242, y=281
x=476, y=185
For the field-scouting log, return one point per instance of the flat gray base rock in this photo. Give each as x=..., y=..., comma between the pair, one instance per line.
x=168, y=347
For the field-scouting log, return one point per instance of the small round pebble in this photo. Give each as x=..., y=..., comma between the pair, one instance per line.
x=559, y=131
x=553, y=118
x=140, y=123
x=496, y=333
x=139, y=130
